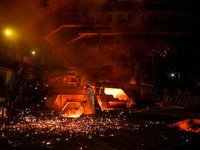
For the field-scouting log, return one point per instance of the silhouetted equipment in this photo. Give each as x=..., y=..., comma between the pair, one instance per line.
x=16, y=90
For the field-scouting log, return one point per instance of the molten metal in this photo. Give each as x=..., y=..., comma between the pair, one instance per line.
x=73, y=106
x=191, y=125
x=117, y=93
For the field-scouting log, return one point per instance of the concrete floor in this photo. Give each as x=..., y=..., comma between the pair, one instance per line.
x=144, y=128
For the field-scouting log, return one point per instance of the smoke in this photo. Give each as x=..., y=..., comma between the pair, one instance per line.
x=28, y=16
x=101, y=57
x=16, y=12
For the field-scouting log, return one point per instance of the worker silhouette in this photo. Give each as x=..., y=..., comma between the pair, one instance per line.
x=89, y=97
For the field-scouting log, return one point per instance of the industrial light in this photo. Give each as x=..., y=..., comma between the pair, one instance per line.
x=8, y=32
x=33, y=52
x=172, y=75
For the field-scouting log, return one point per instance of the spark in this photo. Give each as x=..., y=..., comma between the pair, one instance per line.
x=51, y=124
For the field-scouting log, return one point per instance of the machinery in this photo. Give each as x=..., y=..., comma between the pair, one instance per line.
x=67, y=93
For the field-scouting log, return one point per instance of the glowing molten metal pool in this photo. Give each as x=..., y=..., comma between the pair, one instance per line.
x=191, y=125
x=117, y=93
x=72, y=106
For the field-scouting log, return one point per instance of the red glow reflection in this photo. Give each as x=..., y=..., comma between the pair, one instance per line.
x=191, y=125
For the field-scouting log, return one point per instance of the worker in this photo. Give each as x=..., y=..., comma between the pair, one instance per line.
x=89, y=93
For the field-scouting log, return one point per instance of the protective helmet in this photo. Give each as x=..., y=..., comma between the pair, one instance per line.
x=87, y=83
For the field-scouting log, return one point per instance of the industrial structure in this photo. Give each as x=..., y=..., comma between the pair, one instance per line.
x=120, y=44
x=99, y=74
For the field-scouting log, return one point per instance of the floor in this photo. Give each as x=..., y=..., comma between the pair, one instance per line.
x=143, y=129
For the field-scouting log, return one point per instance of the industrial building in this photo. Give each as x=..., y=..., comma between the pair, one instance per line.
x=140, y=58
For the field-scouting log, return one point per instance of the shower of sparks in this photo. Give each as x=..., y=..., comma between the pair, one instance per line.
x=51, y=128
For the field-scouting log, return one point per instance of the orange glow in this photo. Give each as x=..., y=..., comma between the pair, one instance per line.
x=103, y=105
x=117, y=93
x=132, y=81
x=191, y=125
x=62, y=99
x=72, y=106
x=72, y=109
x=73, y=113
x=99, y=100
x=117, y=104
x=8, y=32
